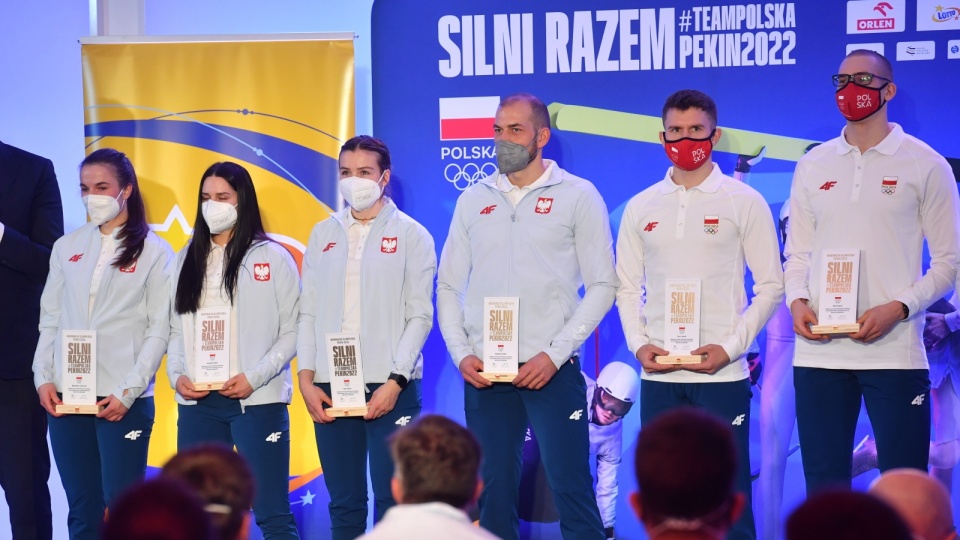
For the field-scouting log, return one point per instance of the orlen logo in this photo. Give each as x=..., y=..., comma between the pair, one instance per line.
x=866, y=16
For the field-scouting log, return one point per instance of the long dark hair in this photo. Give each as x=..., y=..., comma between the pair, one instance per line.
x=247, y=231
x=134, y=232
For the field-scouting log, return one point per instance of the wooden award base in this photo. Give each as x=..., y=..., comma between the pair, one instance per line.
x=93, y=408
x=498, y=377
x=340, y=412
x=679, y=359
x=208, y=386
x=835, y=328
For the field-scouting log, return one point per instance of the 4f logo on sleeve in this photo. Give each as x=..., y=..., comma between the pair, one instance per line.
x=888, y=186
x=388, y=245
x=917, y=400
x=261, y=271
x=544, y=205
x=329, y=247
x=576, y=414
x=274, y=437
x=403, y=420
x=76, y=258
x=488, y=210
x=651, y=226
x=711, y=224
x=827, y=185
x=738, y=420
x=130, y=269
x=133, y=435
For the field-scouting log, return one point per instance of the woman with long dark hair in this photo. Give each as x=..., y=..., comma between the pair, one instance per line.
x=246, y=287
x=111, y=276
x=369, y=271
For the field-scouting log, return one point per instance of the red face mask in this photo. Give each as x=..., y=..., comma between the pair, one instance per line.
x=859, y=102
x=688, y=153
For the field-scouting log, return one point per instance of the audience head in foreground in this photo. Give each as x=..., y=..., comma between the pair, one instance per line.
x=686, y=463
x=845, y=515
x=922, y=502
x=436, y=475
x=223, y=481
x=160, y=509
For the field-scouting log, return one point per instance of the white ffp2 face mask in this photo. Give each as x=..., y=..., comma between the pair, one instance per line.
x=361, y=193
x=101, y=208
x=219, y=216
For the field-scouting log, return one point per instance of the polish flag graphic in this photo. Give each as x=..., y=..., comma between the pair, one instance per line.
x=467, y=117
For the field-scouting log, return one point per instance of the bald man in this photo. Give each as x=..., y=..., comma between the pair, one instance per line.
x=921, y=501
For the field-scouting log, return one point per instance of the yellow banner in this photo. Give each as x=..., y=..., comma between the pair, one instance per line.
x=282, y=109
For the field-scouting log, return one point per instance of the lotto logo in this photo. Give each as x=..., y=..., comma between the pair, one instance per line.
x=261, y=271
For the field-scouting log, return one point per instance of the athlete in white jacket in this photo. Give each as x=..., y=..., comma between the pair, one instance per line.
x=368, y=271
x=110, y=276
x=231, y=264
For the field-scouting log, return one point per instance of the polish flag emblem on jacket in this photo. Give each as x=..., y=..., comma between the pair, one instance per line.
x=261, y=271
x=711, y=224
x=544, y=205
x=388, y=245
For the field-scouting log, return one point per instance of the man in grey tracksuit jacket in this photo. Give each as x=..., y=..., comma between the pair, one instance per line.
x=537, y=233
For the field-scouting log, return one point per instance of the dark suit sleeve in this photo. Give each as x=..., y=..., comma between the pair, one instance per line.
x=27, y=252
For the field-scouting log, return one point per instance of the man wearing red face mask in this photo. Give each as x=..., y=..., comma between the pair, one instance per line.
x=698, y=223
x=878, y=190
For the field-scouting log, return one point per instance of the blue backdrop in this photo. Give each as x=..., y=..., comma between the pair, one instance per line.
x=605, y=68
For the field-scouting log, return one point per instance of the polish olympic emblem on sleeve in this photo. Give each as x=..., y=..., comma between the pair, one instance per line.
x=466, y=175
x=261, y=271
x=711, y=224
x=888, y=186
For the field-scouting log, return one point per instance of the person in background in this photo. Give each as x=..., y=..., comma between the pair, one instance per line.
x=922, y=502
x=845, y=515
x=436, y=466
x=159, y=509
x=684, y=490
x=222, y=479
x=368, y=270
x=231, y=264
x=31, y=220
x=111, y=276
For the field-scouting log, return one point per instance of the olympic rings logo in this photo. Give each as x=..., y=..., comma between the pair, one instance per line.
x=466, y=175
x=888, y=190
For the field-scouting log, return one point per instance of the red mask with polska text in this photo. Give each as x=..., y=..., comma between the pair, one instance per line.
x=688, y=153
x=859, y=102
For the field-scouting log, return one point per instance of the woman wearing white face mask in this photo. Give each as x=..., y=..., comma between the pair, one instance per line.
x=246, y=287
x=368, y=270
x=111, y=276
